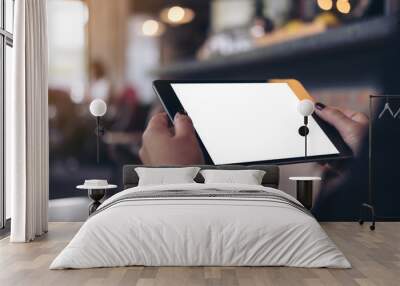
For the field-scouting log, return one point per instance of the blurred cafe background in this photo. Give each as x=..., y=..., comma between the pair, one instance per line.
x=114, y=49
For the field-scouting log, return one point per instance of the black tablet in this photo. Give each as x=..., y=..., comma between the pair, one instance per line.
x=251, y=122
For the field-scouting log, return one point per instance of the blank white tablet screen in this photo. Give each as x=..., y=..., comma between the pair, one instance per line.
x=248, y=122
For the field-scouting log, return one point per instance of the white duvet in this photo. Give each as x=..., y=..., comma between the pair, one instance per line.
x=200, y=231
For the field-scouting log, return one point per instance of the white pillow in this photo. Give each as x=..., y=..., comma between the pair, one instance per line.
x=163, y=176
x=247, y=177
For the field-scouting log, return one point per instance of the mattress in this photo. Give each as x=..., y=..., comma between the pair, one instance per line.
x=201, y=225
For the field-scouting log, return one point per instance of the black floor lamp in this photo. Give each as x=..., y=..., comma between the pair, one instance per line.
x=98, y=108
x=305, y=108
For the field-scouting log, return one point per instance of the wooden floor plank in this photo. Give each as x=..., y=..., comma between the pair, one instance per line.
x=375, y=257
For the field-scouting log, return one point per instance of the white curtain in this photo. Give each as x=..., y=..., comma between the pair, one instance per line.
x=27, y=123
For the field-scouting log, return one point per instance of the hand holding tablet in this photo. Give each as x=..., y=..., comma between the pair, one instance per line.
x=251, y=122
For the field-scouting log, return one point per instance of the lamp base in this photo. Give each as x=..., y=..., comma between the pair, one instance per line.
x=371, y=209
x=96, y=195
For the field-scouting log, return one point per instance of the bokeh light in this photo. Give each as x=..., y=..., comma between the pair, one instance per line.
x=176, y=14
x=151, y=28
x=343, y=6
x=325, y=4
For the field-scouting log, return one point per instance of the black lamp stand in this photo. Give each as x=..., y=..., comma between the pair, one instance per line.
x=304, y=131
x=99, y=132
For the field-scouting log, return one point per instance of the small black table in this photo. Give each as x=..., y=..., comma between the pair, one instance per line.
x=96, y=194
x=304, y=190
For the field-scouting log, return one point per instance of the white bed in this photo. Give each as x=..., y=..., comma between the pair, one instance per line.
x=239, y=229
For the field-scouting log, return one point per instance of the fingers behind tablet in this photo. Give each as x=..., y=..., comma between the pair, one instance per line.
x=183, y=125
x=336, y=118
x=358, y=117
x=158, y=121
x=157, y=126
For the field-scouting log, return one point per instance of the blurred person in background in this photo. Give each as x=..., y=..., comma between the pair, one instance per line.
x=100, y=86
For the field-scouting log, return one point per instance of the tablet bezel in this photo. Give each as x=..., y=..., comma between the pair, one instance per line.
x=172, y=105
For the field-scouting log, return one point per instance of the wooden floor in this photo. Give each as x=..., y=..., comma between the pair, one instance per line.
x=375, y=257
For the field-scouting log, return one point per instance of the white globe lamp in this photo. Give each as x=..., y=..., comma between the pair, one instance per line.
x=306, y=107
x=98, y=107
